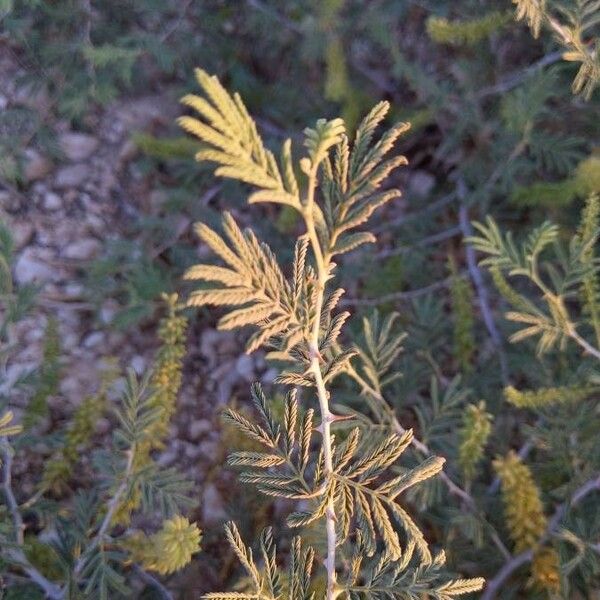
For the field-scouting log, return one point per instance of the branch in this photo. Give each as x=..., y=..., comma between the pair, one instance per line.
x=426, y=241
x=16, y=554
x=482, y=293
x=453, y=488
x=162, y=591
x=397, y=296
x=113, y=505
x=322, y=268
x=495, y=585
x=402, y=219
x=513, y=80
x=583, y=343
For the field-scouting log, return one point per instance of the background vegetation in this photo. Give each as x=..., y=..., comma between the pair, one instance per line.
x=505, y=125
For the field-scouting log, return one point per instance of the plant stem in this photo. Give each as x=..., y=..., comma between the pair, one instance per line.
x=496, y=584
x=583, y=343
x=482, y=293
x=113, y=505
x=321, y=263
x=16, y=554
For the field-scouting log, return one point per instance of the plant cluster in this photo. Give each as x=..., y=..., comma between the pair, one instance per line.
x=67, y=539
x=445, y=438
x=346, y=484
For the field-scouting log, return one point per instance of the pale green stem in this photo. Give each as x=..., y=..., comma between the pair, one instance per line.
x=315, y=369
x=113, y=505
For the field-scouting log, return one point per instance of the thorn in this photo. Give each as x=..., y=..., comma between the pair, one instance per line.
x=331, y=515
x=314, y=353
x=336, y=418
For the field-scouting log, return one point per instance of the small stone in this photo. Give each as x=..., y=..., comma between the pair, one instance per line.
x=269, y=375
x=70, y=340
x=36, y=166
x=33, y=96
x=198, y=428
x=77, y=146
x=72, y=176
x=128, y=151
x=73, y=291
x=138, y=364
x=82, y=249
x=29, y=268
x=52, y=201
x=102, y=426
x=167, y=458
x=245, y=367
x=421, y=183
x=108, y=311
x=192, y=451
x=69, y=387
x=209, y=449
x=212, y=506
x=93, y=339
x=22, y=233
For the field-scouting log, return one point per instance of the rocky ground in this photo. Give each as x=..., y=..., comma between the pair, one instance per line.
x=61, y=219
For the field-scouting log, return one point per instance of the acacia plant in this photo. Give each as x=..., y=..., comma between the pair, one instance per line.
x=552, y=290
x=374, y=548
x=78, y=535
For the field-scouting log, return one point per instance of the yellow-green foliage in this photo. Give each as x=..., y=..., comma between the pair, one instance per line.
x=49, y=375
x=546, y=396
x=44, y=557
x=6, y=429
x=590, y=288
x=166, y=378
x=474, y=433
x=165, y=384
x=545, y=193
x=298, y=317
x=337, y=82
x=525, y=518
x=585, y=181
x=461, y=295
x=167, y=550
x=387, y=279
x=545, y=570
x=59, y=469
x=336, y=79
x=587, y=175
x=166, y=148
x=467, y=32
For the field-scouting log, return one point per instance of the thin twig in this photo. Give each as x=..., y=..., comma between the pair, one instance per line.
x=514, y=79
x=113, y=505
x=481, y=289
x=497, y=582
x=178, y=22
x=283, y=20
x=583, y=343
x=453, y=488
x=17, y=555
x=400, y=430
x=163, y=592
x=322, y=262
x=397, y=296
x=411, y=216
x=426, y=241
